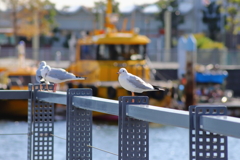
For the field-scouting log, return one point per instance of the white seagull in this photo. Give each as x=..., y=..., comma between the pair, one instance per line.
x=39, y=77
x=58, y=75
x=133, y=83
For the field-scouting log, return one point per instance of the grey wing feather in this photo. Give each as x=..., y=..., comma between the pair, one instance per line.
x=138, y=82
x=61, y=74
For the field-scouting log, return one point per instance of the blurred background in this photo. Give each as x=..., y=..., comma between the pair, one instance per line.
x=190, y=47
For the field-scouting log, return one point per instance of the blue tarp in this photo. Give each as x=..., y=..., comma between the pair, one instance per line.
x=211, y=77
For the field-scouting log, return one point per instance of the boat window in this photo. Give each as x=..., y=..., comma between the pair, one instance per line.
x=21, y=80
x=88, y=52
x=121, y=52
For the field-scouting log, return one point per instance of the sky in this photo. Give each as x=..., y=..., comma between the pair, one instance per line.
x=90, y=3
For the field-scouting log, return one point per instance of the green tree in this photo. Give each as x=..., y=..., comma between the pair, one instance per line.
x=212, y=18
x=24, y=13
x=171, y=5
x=231, y=9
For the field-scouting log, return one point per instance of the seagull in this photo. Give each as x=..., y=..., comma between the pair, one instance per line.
x=134, y=83
x=58, y=75
x=39, y=77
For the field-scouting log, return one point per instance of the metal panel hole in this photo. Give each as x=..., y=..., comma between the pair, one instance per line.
x=207, y=111
x=207, y=139
x=200, y=146
x=200, y=139
x=222, y=140
x=215, y=147
x=221, y=111
x=200, y=154
x=208, y=155
x=215, y=140
x=214, y=111
x=193, y=131
x=222, y=155
x=193, y=146
x=200, y=111
x=215, y=155
x=193, y=139
x=208, y=133
x=222, y=148
x=208, y=147
x=201, y=132
x=194, y=153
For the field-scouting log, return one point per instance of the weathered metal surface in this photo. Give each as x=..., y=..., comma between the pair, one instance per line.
x=133, y=137
x=79, y=127
x=15, y=94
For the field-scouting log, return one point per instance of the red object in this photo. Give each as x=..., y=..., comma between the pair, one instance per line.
x=162, y=31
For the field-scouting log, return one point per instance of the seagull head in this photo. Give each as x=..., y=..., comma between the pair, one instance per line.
x=42, y=63
x=122, y=71
x=45, y=71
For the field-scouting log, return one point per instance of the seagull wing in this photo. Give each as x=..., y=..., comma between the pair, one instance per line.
x=61, y=74
x=139, y=83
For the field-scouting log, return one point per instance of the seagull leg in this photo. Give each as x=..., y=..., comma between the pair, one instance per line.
x=40, y=87
x=55, y=87
x=46, y=86
x=133, y=95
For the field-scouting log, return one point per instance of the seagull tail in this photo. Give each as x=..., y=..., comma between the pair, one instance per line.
x=158, y=88
x=81, y=78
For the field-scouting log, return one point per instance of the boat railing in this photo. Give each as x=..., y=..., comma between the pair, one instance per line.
x=209, y=126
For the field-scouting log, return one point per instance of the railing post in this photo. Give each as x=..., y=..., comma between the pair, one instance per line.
x=133, y=137
x=204, y=145
x=30, y=102
x=79, y=127
x=41, y=125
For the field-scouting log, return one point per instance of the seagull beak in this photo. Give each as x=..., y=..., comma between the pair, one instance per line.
x=118, y=72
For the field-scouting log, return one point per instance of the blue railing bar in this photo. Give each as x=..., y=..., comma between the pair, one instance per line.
x=14, y=94
x=225, y=125
x=52, y=97
x=97, y=104
x=159, y=115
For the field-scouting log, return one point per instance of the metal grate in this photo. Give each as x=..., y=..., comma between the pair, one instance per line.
x=29, y=149
x=205, y=145
x=133, y=133
x=43, y=127
x=79, y=128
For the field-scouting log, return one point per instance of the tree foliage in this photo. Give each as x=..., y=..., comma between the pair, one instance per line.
x=212, y=17
x=25, y=12
x=171, y=5
x=231, y=8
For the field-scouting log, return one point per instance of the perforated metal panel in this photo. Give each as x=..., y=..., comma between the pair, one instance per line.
x=29, y=149
x=79, y=128
x=43, y=127
x=205, y=145
x=133, y=134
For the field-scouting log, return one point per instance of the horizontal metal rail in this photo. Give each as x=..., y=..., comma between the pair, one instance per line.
x=226, y=125
x=52, y=97
x=159, y=115
x=96, y=104
x=14, y=94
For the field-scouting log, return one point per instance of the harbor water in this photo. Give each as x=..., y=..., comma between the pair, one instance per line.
x=165, y=142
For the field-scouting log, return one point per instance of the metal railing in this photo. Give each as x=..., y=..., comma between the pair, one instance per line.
x=208, y=125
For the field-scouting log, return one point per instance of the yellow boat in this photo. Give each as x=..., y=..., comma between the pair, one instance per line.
x=16, y=78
